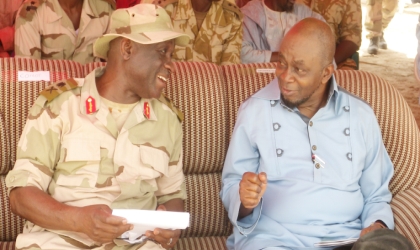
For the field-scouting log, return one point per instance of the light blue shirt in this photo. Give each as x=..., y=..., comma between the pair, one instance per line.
x=306, y=203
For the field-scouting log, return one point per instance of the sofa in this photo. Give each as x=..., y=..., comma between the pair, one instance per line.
x=210, y=95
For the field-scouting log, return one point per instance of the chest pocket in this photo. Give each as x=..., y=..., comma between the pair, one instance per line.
x=80, y=162
x=155, y=162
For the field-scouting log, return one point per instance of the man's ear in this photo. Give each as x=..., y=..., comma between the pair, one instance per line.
x=327, y=73
x=126, y=48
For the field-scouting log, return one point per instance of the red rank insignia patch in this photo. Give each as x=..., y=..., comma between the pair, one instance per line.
x=90, y=105
x=146, y=110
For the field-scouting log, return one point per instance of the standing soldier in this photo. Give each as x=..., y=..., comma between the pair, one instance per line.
x=379, y=15
x=215, y=28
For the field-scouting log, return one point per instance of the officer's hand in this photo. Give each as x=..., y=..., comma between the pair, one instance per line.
x=252, y=188
x=373, y=227
x=167, y=238
x=100, y=225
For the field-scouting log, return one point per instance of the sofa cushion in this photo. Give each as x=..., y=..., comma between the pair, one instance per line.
x=4, y=146
x=201, y=243
x=11, y=225
x=406, y=207
x=197, y=89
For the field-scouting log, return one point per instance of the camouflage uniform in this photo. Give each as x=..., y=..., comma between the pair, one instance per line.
x=379, y=15
x=219, y=39
x=82, y=159
x=345, y=20
x=44, y=31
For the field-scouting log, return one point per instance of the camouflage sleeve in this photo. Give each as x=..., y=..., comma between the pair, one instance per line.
x=351, y=24
x=250, y=51
x=38, y=149
x=27, y=37
x=232, y=46
x=173, y=186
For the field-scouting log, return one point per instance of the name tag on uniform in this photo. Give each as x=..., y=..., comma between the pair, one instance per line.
x=33, y=76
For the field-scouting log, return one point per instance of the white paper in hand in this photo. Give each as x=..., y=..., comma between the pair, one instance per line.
x=144, y=220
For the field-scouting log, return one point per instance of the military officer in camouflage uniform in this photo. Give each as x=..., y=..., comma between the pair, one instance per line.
x=379, y=15
x=345, y=20
x=111, y=140
x=54, y=29
x=215, y=28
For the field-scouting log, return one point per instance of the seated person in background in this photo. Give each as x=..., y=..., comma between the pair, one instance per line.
x=61, y=29
x=126, y=3
x=108, y=141
x=215, y=28
x=314, y=167
x=345, y=20
x=7, y=30
x=265, y=24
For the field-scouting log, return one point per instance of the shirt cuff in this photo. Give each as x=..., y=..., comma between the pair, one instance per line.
x=247, y=224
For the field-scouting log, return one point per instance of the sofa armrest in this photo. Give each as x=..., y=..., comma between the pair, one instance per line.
x=406, y=207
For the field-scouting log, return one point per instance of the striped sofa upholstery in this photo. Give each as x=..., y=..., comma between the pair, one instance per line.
x=209, y=96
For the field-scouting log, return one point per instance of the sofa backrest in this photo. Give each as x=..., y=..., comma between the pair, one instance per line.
x=209, y=97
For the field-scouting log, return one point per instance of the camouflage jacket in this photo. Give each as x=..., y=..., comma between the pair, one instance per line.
x=343, y=16
x=44, y=31
x=219, y=39
x=82, y=159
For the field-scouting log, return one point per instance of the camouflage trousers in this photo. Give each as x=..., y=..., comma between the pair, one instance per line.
x=379, y=15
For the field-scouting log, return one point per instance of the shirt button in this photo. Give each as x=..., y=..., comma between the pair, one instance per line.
x=347, y=131
x=317, y=166
x=314, y=147
x=276, y=126
x=346, y=108
x=311, y=123
x=279, y=152
x=349, y=156
x=272, y=102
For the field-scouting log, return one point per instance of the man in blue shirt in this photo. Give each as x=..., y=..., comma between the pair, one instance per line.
x=307, y=158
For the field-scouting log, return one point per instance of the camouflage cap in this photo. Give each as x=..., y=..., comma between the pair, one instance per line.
x=142, y=23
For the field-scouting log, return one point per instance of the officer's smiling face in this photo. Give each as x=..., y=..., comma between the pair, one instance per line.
x=150, y=66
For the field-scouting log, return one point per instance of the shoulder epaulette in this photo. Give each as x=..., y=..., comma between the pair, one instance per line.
x=112, y=3
x=165, y=100
x=231, y=6
x=162, y=3
x=57, y=88
x=29, y=7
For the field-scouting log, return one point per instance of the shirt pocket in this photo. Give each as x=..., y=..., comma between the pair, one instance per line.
x=81, y=161
x=155, y=162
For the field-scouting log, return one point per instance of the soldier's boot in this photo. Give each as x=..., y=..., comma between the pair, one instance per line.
x=373, y=46
x=382, y=43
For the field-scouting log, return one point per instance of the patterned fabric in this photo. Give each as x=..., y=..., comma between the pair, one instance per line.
x=219, y=39
x=343, y=16
x=201, y=243
x=378, y=15
x=198, y=90
x=11, y=225
x=44, y=31
x=406, y=207
x=7, y=245
x=4, y=146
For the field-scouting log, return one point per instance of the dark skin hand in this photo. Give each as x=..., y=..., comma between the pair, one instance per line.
x=251, y=189
x=373, y=227
x=164, y=236
x=345, y=49
x=96, y=221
